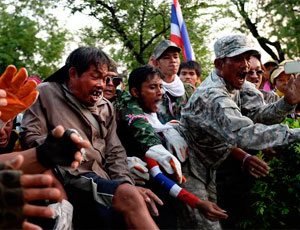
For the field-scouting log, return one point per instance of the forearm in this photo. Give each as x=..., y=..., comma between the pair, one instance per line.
x=272, y=113
x=30, y=164
x=259, y=136
x=242, y=132
x=238, y=153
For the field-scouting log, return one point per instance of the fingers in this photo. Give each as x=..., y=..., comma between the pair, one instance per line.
x=257, y=167
x=27, y=89
x=151, y=207
x=3, y=100
x=78, y=160
x=177, y=170
x=140, y=174
x=150, y=199
x=26, y=225
x=211, y=210
x=79, y=141
x=58, y=131
x=38, y=211
x=18, y=80
x=138, y=180
x=31, y=194
x=141, y=168
x=215, y=215
x=30, y=99
x=30, y=180
x=7, y=76
x=218, y=212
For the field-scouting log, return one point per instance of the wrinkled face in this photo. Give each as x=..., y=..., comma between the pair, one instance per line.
x=188, y=76
x=281, y=81
x=88, y=87
x=234, y=69
x=111, y=87
x=255, y=73
x=151, y=94
x=169, y=63
x=5, y=134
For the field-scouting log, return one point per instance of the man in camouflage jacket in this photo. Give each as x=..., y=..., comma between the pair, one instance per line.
x=226, y=112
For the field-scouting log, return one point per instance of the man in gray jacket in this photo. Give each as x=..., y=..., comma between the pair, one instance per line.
x=73, y=97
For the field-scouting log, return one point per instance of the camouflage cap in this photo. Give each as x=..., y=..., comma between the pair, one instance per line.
x=233, y=45
x=163, y=46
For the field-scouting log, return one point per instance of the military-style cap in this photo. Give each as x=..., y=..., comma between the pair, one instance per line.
x=233, y=45
x=163, y=46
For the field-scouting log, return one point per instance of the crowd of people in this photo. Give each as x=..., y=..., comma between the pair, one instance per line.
x=88, y=154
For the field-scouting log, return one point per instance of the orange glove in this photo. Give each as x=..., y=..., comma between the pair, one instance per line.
x=19, y=96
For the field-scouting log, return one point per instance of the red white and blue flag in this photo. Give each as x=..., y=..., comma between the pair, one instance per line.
x=179, y=33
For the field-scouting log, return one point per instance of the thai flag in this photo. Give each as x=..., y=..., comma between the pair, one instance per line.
x=170, y=186
x=179, y=33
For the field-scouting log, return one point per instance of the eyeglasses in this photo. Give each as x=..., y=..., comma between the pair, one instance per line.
x=115, y=80
x=257, y=72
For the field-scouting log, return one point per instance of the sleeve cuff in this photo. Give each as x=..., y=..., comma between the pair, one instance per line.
x=284, y=106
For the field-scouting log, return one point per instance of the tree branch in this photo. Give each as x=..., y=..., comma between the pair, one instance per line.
x=263, y=42
x=117, y=26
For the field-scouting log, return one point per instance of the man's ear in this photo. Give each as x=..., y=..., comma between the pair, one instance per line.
x=135, y=93
x=218, y=63
x=155, y=63
x=72, y=72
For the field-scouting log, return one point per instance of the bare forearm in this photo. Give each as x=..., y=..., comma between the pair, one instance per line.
x=30, y=164
x=238, y=153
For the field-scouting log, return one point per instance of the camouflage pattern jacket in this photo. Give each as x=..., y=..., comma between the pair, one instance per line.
x=217, y=118
x=171, y=106
x=134, y=131
x=132, y=122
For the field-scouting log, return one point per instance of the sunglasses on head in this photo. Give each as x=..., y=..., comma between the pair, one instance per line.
x=115, y=80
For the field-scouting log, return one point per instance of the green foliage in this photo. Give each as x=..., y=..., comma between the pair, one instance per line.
x=285, y=25
x=30, y=37
x=276, y=21
x=133, y=28
x=275, y=199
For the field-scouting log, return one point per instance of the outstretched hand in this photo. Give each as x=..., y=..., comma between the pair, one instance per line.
x=256, y=166
x=35, y=187
x=19, y=96
x=62, y=147
x=211, y=211
x=292, y=94
x=151, y=199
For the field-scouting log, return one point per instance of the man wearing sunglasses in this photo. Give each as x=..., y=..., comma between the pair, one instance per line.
x=255, y=75
x=110, y=90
